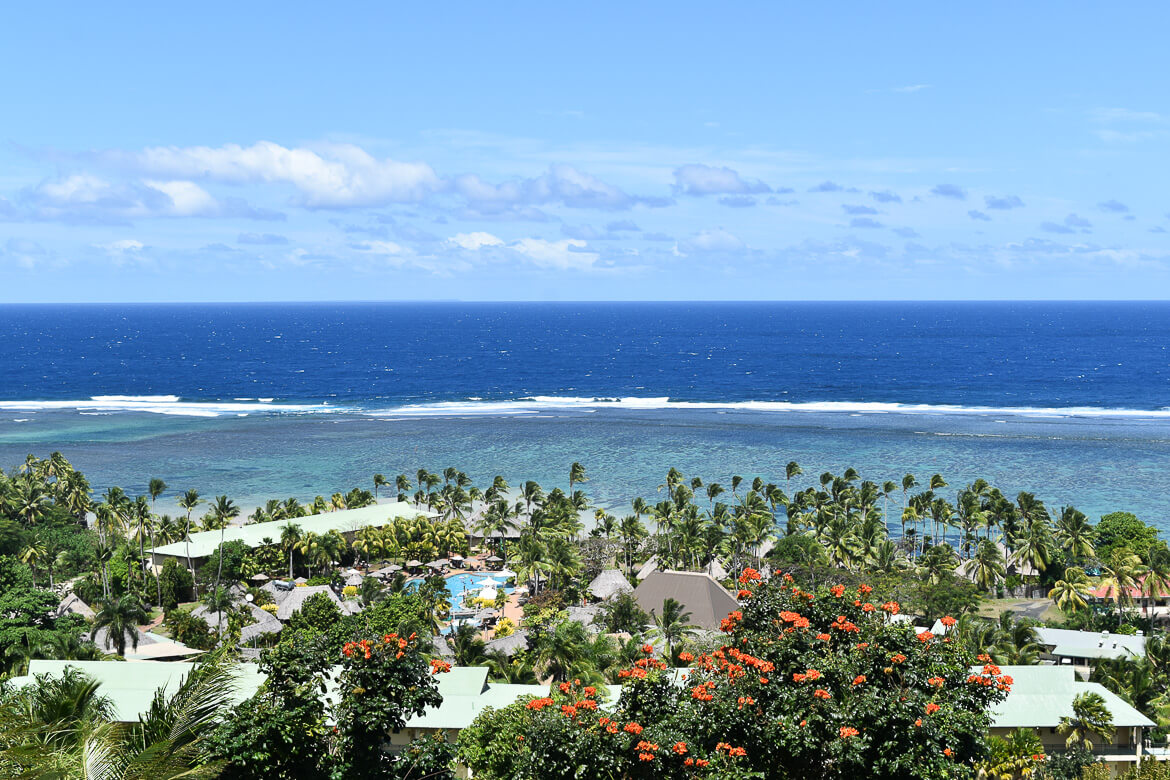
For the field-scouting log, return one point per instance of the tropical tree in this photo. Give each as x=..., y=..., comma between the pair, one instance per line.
x=1071, y=592
x=1120, y=577
x=224, y=511
x=188, y=501
x=987, y=566
x=672, y=626
x=120, y=617
x=1090, y=717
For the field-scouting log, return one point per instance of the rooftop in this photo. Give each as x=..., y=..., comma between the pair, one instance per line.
x=1041, y=695
x=706, y=600
x=205, y=543
x=1091, y=644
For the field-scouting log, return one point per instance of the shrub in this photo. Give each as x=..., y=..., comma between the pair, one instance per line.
x=505, y=627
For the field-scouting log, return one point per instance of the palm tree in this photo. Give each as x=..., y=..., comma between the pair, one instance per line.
x=672, y=626
x=34, y=554
x=987, y=565
x=224, y=512
x=156, y=489
x=290, y=539
x=1120, y=576
x=188, y=501
x=121, y=618
x=379, y=482
x=1090, y=716
x=1071, y=591
x=576, y=475
x=1075, y=534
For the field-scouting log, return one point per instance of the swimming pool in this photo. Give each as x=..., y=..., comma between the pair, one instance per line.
x=463, y=585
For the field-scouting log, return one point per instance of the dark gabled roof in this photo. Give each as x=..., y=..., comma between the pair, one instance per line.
x=706, y=600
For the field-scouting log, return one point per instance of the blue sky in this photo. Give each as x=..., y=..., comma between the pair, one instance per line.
x=604, y=151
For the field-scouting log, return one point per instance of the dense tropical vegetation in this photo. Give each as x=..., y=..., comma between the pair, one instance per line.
x=936, y=550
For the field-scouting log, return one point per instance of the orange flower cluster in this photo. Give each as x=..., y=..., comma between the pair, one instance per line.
x=867, y=607
x=362, y=648
x=948, y=752
x=821, y=693
x=749, y=575
x=848, y=731
x=729, y=622
x=859, y=679
x=633, y=728
x=992, y=677
x=439, y=666
x=539, y=704
x=925, y=636
x=686, y=658
x=743, y=593
x=948, y=621
x=795, y=618
x=696, y=762
x=680, y=748
x=864, y=589
x=703, y=692
x=932, y=708
x=746, y=701
x=937, y=682
x=824, y=637
x=837, y=590
x=892, y=607
x=842, y=624
x=897, y=658
x=731, y=751
x=646, y=750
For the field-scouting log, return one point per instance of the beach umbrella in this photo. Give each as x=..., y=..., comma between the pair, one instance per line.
x=505, y=573
x=488, y=593
x=259, y=577
x=456, y=557
x=439, y=563
x=493, y=559
x=486, y=583
x=413, y=564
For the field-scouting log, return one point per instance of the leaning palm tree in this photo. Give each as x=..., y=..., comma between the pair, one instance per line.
x=188, y=501
x=290, y=540
x=672, y=626
x=121, y=618
x=1090, y=716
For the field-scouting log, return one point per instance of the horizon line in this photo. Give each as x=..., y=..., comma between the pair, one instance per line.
x=450, y=301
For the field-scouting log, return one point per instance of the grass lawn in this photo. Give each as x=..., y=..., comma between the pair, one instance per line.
x=1043, y=609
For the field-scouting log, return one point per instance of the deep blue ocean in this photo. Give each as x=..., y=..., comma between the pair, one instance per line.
x=1068, y=400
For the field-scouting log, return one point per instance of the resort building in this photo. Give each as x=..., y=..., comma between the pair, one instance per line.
x=1082, y=648
x=608, y=584
x=703, y=597
x=1042, y=695
x=151, y=647
x=347, y=522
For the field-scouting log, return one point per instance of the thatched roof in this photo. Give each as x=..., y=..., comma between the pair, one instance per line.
x=648, y=568
x=72, y=603
x=706, y=600
x=608, y=584
x=297, y=596
x=509, y=645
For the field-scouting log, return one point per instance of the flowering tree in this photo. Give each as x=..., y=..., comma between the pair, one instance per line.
x=382, y=682
x=805, y=687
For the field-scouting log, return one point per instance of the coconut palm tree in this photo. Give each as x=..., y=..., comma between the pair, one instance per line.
x=121, y=618
x=987, y=565
x=224, y=511
x=672, y=626
x=188, y=501
x=1090, y=716
x=1075, y=534
x=1120, y=576
x=290, y=539
x=1070, y=592
x=34, y=554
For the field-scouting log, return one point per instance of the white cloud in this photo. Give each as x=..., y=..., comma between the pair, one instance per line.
x=561, y=255
x=187, y=198
x=122, y=246
x=473, y=241
x=560, y=184
x=699, y=179
x=710, y=241
x=337, y=175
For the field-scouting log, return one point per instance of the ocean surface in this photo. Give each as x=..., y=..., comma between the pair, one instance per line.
x=1068, y=400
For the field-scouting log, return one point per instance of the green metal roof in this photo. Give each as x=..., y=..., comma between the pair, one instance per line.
x=1041, y=695
x=205, y=543
x=131, y=685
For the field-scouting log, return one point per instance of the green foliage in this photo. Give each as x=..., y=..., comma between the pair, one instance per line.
x=280, y=733
x=190, y=630
x=176, y=584
x=235, y=555
x=951, y=595
x=799, y=550
x=1118, y=530
x=489, y=746
x=1069, y=765
x=426, y=758
x=622, y=614
x=317, y=615
x=384, y=681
